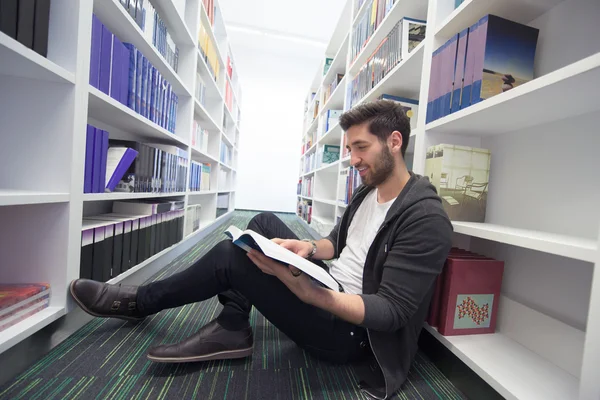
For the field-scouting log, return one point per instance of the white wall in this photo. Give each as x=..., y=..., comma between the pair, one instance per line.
x=274, y=85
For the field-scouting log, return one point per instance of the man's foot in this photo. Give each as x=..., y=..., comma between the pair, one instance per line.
x=105, y=300
x=212, y=342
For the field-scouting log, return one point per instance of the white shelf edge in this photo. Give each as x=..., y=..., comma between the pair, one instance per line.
x=10, y=197
x=205, y=115
x=325, y=201
x=22, y=330
x=333, y=94
x=197, y=151
x=227, y=139
x=327, y=166
x=329, y=133
x=127, y=196
x=561, y=245
x=343, y=205
x=117, y=107
x=54, y=71
x=202, y=193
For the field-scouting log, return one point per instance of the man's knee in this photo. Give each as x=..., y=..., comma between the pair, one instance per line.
x=261, y=220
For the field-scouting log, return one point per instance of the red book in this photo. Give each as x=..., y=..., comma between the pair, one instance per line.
x=11, y=294
x=470, y=295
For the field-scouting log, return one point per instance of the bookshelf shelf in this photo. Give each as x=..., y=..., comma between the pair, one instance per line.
x=10, y=197
x=336, y=100
x=20, y=61
x=25, y=328
x=128, y=196
x=228, y=141
x=225, y=166
x=526, y=104
x=404, y=80
x=510, y=368
x=175, y=23
x=205, y=116
x=409, y=8
x=561, y=245
x=199, y=156
x=542, y=139
x=327, y=167
x=104, y=108
x=325, y=201
x=469, y=12
x=203, y=193
x=116, y=18
x=332, y=136
x=338, y=66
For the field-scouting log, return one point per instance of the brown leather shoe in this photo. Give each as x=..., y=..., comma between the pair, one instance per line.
x=106, y=300
x=212, y=342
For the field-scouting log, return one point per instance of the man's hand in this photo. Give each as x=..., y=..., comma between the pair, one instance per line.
x=299, y=247
x=298, y=282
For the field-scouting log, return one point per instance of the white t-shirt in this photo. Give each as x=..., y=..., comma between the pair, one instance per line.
x=348, y=268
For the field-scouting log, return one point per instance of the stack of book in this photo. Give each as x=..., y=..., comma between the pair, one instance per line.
x=467, y=294
x=305, y=210
x=208, y=51
x=124, y=73
x=115, y=242
x=27, y=21
x=155, y=168
x=329, y=119
x=192, y=216
x=199, y=137
x=331, y=87
x=154, y=29
x=105, y=165
x=199, y=176
x=395, y=47
x=310, y=162
x=328, y=154
x=20, y=301
x=347, y=184
x=225, y=155
x=307, y=186
x=211, y=9
x=492, y=56
x=367, y=24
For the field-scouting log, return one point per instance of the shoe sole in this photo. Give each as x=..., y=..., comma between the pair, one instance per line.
x=87, y=310
x=222, y=355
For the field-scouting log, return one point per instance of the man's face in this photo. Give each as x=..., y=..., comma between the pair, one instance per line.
x=373, y=159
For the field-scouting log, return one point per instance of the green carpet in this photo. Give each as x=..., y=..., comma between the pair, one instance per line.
x=106, y=359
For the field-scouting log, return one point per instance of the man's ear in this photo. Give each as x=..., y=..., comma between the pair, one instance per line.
x=395, y=142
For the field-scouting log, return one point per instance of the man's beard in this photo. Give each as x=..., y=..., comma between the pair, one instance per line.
x=381, y=171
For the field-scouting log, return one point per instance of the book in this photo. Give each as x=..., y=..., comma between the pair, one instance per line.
x=504, y=56
x=25, y=22
x=119, y=159
x=9, y=11
x=106, y=42
x=41, y=26
x=89, y=159
x=250, y=239
x=459, y=71
x=460, y=175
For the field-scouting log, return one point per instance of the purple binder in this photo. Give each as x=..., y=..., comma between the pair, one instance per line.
x=124, y=71
x=105, y=59
x=89, y=159
x=131, y=74
x=124, y=164
x=459, y=71
x=96, y=160
x=103, y=155
x=95, y=52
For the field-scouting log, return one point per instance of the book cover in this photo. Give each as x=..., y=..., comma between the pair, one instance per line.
x=139, y=62
x=12, y=294
x=41, y=26
x=472, y=38
x=144, y=87
x=103, y=159
x=132, y=74
x=116, y=69
x=460, y=175
x=119, y=161
x=124, y=75
x=504, y=58
x=141, y=250
x=450, y=75
x=135, y=240
x=105, y=60
x=459, y=70
x=126, y=254
x=89, y=159
x=9, y=12
x=25, y=22
x=96, y=161
x=87, y=252
x=470, y=296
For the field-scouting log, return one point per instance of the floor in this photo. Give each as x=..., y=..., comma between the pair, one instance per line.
x=106, y=358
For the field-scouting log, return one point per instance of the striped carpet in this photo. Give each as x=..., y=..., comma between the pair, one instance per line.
x=106, y=359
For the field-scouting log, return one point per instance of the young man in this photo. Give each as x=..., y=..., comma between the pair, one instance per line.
x=389, y=247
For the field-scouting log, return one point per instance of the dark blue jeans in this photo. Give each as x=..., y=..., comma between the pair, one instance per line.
x=227, y=272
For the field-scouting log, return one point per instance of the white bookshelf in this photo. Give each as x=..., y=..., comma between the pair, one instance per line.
x=542, y=214
x=43, y=142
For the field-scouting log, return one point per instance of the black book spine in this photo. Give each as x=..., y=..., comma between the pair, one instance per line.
x=41, y=26
x=117, y=259
x=87, y=254
x=25, y=22
x=141, y=254
x=107, y=271
x=98, y=254
x=153, y=236
x=135, y=231
x=9, y=12
x=126, y=246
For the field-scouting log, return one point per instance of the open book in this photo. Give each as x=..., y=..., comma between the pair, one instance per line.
x=249, y=239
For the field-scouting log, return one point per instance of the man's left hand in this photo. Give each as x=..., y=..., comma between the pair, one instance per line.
x=300, y=285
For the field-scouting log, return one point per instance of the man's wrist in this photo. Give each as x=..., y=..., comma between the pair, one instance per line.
x=313, y=248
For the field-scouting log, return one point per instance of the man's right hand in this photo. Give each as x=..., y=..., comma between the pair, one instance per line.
x=299, y=247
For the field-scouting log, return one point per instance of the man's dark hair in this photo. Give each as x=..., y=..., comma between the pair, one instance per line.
x=383, y=117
